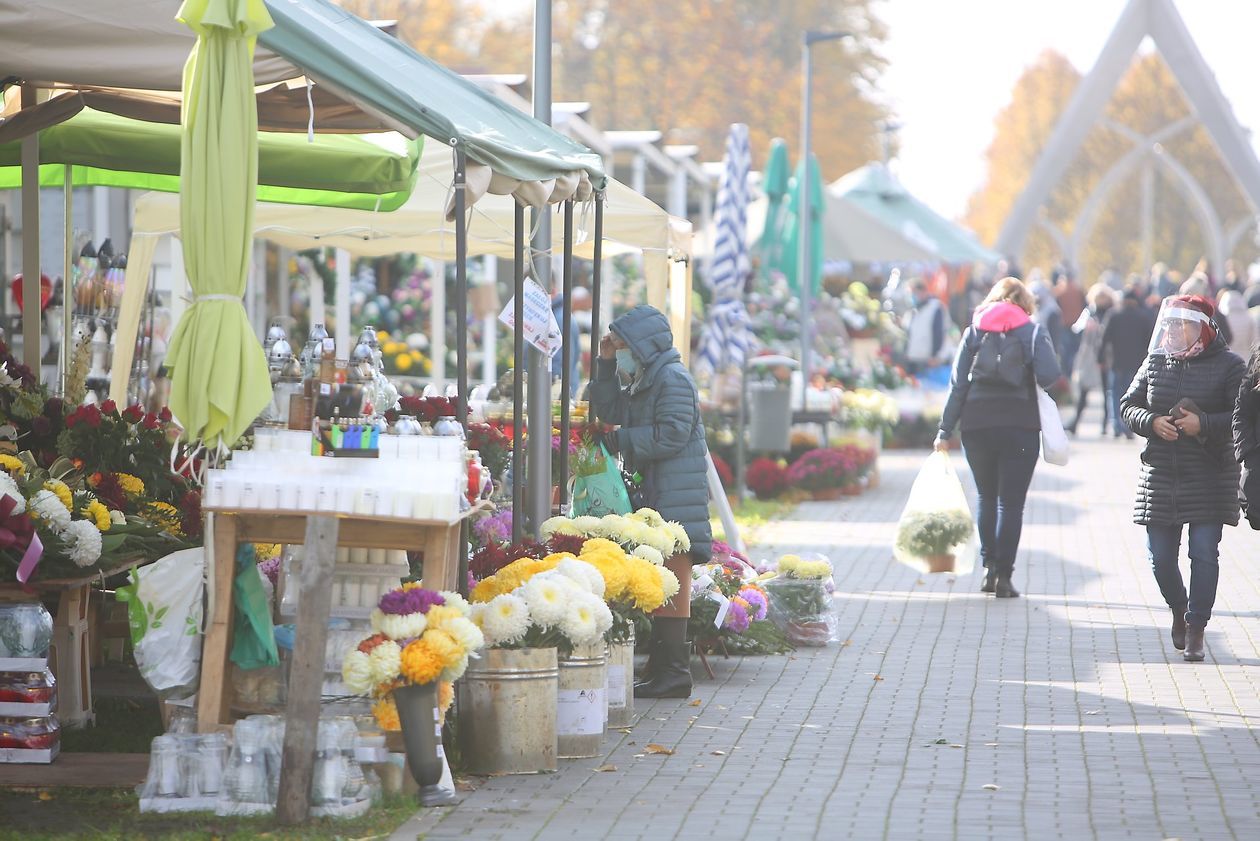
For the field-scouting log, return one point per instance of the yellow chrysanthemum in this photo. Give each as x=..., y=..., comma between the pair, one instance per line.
x=62, y=491
x=131, y=485
x=446, y=697
x=412, y=585
x=166, y=516
x=262, y=551
x=12, y=464
x=420, y=664
x=444, y=646
x=644, y=587
x=386, y=713
x=439, y=615
x=98, y=514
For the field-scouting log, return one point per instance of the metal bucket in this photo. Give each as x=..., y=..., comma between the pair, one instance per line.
x=508, y=699
x=621, y=683
x=581, y=702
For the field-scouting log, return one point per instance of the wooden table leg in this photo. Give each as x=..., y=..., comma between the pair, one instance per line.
x=441, y=557
x=306, y=677
x=214, y=694
x=73, y=667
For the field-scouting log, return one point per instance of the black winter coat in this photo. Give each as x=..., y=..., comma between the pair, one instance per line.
x=661, y=434
x=1190, y=480
x=1247, y=447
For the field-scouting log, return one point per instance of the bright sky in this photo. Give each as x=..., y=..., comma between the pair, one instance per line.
x=952, y=66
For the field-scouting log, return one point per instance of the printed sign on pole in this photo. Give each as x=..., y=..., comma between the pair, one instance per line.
x=541, y=328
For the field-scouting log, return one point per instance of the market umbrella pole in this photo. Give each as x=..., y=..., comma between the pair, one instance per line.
x=461, y=334
x=597, y=279
x=538, y=470
x=67, y=296
x=30, y=243
x=566, y=350
x=518, y=379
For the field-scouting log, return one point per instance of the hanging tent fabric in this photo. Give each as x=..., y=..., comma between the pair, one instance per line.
x=775, y=181
x=874, y=189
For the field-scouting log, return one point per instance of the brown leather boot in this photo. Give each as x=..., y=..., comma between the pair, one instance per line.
x=1179, y=628
x=1194, y=644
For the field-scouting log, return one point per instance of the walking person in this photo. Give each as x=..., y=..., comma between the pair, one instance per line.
x=660, y=435
x=925, y=328
x=1072, y=302
x=1233, y=311
x=1088, y=373
x=1002, y=359
x=1182, y=401
x=1126, y=335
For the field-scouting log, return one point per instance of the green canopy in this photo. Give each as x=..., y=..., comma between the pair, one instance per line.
x=219, y=380
x=385, y=77
x=791, y=228
x=874, y=189
x=774, y=183
x=110, y=151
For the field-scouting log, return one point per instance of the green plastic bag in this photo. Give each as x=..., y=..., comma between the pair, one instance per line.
x=253, y=636
x=597, y=486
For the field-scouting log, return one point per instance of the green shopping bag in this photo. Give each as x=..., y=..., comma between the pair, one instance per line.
x=253, y=636
x=597, y=485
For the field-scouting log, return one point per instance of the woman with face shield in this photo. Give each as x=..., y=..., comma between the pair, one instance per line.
x=1182, y=402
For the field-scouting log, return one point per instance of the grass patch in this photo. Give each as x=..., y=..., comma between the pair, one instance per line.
x=753, y=513
x=114, y=815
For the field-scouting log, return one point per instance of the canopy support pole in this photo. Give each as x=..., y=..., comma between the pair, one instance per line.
x=539, y=462
x=67, y=293
x=437, y=326
x=566, y=350
x=597, y=280
x=461, y=288
x=518, y=378
x=30, y=243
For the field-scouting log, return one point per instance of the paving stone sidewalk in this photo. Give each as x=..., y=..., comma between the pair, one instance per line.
x=1070, y=701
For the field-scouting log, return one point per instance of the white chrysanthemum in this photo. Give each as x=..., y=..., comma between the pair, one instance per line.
x=588, y=525
x=557, y=525
x=48, y=508
x=398, y=627
x=467, y=634
x=455, y=600
x=356, y=672
x=662, y=540
x=83, y=542
x=649, y=553
x=548, y=598
x=585, y=575
x=649, y=516
x=9, y=488
x=386, y=661
x=505, y=620
x=669, y=582
x=682, y=542
x=455, y=671
x=578, y=623
x=610, y=526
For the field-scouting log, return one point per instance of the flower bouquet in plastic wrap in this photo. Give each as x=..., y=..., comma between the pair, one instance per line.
x=730, y=608
x=936, y=532
x=800, y=599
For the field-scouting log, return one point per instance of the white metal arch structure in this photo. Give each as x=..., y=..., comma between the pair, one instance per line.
x=1160, y=20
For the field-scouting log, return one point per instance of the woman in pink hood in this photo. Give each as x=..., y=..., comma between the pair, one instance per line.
x=1002, y=360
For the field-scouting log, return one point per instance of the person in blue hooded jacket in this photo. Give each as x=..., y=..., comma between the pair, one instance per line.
x=1001, y=424
x=642, y=387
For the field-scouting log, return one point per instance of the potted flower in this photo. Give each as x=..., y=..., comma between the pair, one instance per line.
x=823, y=472
x=421, y=644
x=933, y=536
x=800, y=599
x=766, y=478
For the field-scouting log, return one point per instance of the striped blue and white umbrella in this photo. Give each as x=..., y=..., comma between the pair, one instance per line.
x=726, y=337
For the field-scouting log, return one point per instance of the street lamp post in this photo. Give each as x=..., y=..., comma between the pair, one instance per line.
x=804, y=273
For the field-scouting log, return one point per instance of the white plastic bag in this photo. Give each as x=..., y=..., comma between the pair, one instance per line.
x=936, y=532
x=1054, y=441
x=164, y=611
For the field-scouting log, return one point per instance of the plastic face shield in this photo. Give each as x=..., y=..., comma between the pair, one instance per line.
x=1177, y=328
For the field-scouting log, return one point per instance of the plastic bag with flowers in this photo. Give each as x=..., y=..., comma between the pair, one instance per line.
x=728, y=606
x=800, y=599
x=420, y=636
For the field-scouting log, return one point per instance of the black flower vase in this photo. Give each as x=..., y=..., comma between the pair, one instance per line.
x=422, y=736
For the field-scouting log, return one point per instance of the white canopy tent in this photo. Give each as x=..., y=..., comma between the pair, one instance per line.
x=632, y=223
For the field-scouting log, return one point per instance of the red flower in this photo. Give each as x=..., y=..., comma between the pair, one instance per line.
x=133, y=413
x=93, y=419
x=724, y=472
x=109, y=407
x=165, y=415
x=107, y=488
x=190, y=514
x=151, y=422
x=767, y=478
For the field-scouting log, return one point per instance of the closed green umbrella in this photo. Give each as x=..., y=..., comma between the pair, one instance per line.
x=219, y=380
x=774, y=183
x=791, y=228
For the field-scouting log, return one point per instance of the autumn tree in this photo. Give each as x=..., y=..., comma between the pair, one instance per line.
x=688, y=69
x=1147, y=99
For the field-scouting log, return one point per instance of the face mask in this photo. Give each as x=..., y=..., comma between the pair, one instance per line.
x=626, y=363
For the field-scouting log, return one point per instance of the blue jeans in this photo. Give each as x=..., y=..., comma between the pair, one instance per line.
x=1120, y=381
x=1002, y=461
x=1164, y=543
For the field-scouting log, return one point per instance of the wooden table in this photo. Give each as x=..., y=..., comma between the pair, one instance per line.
x=320, y=533
x=71, y=655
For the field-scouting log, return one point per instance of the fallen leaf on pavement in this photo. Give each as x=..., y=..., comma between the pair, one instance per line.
x=44, y=795
x=718, y=752
x=846, y=643
x=659, y=749
x=879, y=677
x=991, y=787
x=606, y=768
x=694, y=703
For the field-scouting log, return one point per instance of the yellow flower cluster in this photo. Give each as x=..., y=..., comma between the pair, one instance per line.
x=166, y=516
x=420, y=662
x=131, y=485
x=62, y=492
x=262, y=551
x=513, y=575
x=446, y=697
x=793, y=566
x=628, y=579
x=386, y=713
x=11, y=464
x=98, y=514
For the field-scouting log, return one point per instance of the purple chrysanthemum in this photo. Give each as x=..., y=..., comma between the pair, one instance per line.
x=755, y=598
x=736, y=618
x=415, y=600
x=271, y=569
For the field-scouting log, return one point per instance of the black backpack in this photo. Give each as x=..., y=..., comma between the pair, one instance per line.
x=1000, y=360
